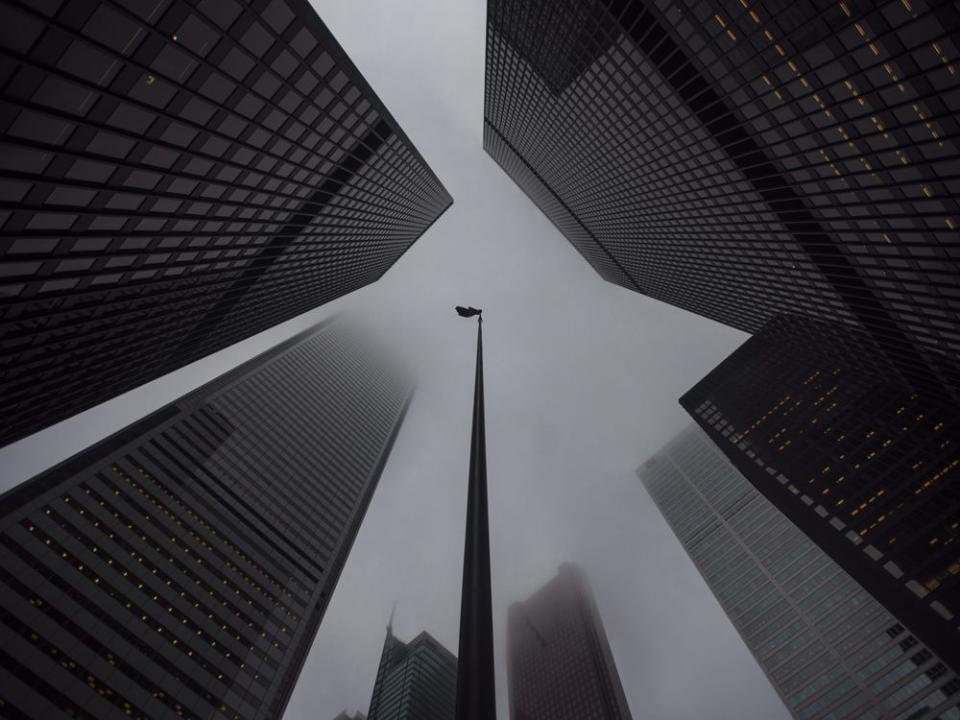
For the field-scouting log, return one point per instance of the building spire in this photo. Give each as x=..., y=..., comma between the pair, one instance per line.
x=393, y=612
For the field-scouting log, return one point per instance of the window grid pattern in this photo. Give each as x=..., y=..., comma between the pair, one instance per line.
x=183, y=571
x=871, y=466
x=829, y=649
x=741, y=160
x=560, y=666
x=175, y=177
x=415, y=681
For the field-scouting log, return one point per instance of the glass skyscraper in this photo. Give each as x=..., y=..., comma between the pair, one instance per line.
x=176, y=176
x=866, y=467
x=744, y=160
x=181, y=567
x=827, y=646
x=416, y=680
x=559, y=663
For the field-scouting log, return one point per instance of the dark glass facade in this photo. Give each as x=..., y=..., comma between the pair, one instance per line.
x=831, y=651
x=416, y=680
x=181, y=567
x=869, y=469
x=742, y=160
x=176, y=176
x=559, y=663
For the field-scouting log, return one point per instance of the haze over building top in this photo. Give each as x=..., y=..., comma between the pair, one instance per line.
x=559, y=661
x=184, y=564
x=829, y=648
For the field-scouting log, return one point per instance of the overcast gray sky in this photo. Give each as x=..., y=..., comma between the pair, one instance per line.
x=582, y=384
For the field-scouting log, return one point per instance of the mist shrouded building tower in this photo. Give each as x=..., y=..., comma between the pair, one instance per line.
x=867, y=468
x=182, y=566
x=743, y=160
x=827, y=646
x=416, y=680
x=559, y=662
x=175, y=177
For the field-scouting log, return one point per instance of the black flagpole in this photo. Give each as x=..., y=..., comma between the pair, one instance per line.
x=476, y=696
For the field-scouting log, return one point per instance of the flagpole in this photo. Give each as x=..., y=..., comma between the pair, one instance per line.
x=476, y=696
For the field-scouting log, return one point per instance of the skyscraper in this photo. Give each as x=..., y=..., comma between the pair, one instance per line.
x=416, y=680
x=862, y=464
x=743, y=160
x=827, y=646
x=182, y=566
x=176, y=176
x=559, y=662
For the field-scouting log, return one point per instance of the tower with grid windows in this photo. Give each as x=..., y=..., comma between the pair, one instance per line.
x=559, y=662
x=829, y=649
x=866, y=467
x=175, y=177
x=182, y=567
x=415, y=680
x=744, y=160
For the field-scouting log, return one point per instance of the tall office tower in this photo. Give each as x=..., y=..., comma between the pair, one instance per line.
x=862, y=464
x=416, y=680
x=181, y=567
x=744, y=159
x=175, y=176
x=558, y=659
x=828, y=647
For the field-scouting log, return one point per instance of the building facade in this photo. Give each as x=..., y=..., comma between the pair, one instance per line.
x=827, y=646
x=868, y=468
x=416, y=680
x=176, y=176
x=559, y=663
x=181, y=567
x=742, y=160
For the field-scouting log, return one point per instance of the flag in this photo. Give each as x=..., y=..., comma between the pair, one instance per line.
x=467, y=311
